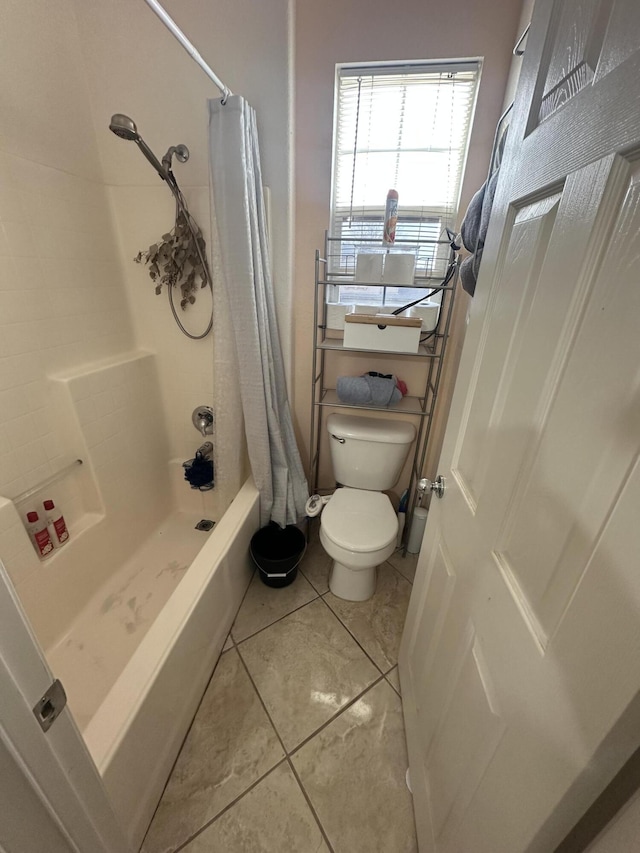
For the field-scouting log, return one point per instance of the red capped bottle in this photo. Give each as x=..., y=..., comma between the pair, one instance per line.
x=56, y=524
x=37, y=529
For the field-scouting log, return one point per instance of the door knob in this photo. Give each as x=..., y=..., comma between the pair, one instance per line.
x=436, y=486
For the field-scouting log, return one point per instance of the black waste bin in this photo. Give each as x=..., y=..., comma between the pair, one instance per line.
x=276, y=551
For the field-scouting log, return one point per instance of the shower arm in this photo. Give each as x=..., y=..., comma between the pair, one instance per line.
x=175, y=30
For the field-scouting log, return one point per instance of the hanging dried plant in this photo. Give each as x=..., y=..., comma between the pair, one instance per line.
x=175, y=261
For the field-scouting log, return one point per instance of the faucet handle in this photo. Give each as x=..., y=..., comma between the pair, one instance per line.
x=202, y=419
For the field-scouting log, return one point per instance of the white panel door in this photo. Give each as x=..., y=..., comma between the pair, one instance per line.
x=520, y=662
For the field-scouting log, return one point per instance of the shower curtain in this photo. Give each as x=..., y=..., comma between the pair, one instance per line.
x=237, y=199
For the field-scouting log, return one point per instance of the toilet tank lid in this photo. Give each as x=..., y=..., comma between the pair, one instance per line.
x=371, y=429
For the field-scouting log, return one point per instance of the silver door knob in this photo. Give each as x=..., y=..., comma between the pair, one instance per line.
x=436, y=486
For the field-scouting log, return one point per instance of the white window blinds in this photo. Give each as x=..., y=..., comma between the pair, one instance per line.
x=404, y=128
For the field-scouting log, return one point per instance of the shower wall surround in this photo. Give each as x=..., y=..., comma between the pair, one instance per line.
x=62, y=295
x=168, y=102
x=76, y=205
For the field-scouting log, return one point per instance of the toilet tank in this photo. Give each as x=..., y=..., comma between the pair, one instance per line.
x=368, y=453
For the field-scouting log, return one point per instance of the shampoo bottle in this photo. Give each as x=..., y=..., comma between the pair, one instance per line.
x=56, y=524
x=37, y=529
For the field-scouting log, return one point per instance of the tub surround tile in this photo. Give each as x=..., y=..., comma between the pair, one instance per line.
x=315, y=565
x=273, y=816
x=354, y=774
x=263, y=605
x=377, y=623
x=306, y=668
x=228, y=643
x=231, y=744
x=405, y=565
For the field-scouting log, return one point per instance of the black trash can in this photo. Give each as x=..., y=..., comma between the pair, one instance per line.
x=276, y=551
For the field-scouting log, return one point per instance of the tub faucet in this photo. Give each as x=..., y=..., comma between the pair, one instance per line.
x=202, y=419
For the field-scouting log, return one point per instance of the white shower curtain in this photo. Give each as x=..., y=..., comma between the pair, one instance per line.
x=237, y=199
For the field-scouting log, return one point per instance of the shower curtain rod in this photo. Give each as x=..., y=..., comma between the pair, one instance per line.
x=175, y=30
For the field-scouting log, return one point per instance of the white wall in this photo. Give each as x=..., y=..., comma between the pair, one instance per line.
x=62, y=298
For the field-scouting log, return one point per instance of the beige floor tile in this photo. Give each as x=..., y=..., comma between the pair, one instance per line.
x=228, y=643
x=273, y=817
x=264, y=605
x=306, y=667
x=377, y=623
x=393, y=678
x=405, y=565
x=231, y=744
x=315, y=566
x=354, y=773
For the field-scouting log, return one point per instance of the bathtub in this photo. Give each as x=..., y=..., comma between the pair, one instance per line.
x=136, y=732
x=133, y=611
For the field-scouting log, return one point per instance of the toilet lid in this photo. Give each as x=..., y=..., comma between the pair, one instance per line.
x=359, y=520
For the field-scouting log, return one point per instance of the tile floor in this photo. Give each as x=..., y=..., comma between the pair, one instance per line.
x=298, y=744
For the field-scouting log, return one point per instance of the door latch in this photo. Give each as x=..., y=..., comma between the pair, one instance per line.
x=49, y=706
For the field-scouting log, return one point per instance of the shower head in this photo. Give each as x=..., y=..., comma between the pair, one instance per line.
x=125, y=128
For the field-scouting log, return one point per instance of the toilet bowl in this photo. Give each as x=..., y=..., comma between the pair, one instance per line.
x=358, y=530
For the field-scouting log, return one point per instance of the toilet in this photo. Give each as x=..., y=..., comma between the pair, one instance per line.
x=358, y=526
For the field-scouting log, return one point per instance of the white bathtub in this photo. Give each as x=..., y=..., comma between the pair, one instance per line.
x=136, y=733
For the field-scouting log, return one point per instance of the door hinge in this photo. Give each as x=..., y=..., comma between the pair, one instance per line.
x=47, y=708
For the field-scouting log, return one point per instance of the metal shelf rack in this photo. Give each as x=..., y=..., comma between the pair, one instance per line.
x=432, y=351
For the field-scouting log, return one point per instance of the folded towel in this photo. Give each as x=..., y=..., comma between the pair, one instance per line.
x=368, y=390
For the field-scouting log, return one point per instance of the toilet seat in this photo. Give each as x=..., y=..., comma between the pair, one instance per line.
x=359, y=521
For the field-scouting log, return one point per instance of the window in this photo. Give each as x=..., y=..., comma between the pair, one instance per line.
x=404, y=128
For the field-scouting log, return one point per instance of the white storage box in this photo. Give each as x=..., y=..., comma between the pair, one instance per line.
x=336, y=311
x=382, y=332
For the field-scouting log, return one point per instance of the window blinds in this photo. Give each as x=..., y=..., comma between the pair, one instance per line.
x=405, y=128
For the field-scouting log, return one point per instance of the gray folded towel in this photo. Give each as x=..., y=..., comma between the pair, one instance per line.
x=368, y=391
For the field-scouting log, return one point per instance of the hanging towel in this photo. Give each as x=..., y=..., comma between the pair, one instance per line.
x=474, y=231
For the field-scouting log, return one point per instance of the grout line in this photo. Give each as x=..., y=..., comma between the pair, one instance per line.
x=238, y=643
x=310, y=804
x=253, y=784
x=286, y=752
x=353, y=636
x=184, y=740
x=337, y=714
x=289, y=753
x=253, y=684
x=188, y=732
x=310, y=582
x=230, y=805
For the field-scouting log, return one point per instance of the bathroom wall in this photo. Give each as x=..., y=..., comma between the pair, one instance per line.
x=76, y=204
x=135, y=66
x=371, y=30
x=62, y=298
